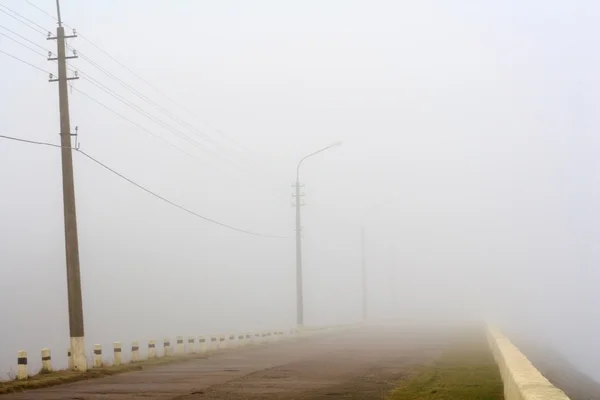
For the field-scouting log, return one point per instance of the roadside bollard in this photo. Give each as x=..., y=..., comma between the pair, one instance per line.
x=240, y=341
x=191, y=345
x=151, y=349
x=222, y=342
x=117, y=353
x=248, y=339
x=180, y=350
x=166, y=347
x=22, y=365
x=97, y=356
x=232, y=341
x=214, y=344
x=202, y=344
x=135, y=352
x=46, y=360
x=257, y=337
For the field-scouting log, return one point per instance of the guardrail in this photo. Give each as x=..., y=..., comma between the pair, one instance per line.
x=522, y=381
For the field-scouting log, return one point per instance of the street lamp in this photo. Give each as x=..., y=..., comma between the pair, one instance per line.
x=299, y=294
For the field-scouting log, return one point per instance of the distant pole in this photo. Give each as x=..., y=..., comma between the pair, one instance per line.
x=364, y=275
x=299, y=289
x=299, y=292
x=70, y=217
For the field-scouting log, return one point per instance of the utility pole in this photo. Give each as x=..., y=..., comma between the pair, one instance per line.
x=77, y=342
x=364, y=275
x=299, y=293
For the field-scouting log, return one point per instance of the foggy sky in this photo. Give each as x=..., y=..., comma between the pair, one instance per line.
x=468, y=154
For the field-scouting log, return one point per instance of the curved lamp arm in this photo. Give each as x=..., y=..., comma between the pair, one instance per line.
x=313, y=154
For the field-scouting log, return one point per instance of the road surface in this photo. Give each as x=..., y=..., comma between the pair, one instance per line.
x=357, y=364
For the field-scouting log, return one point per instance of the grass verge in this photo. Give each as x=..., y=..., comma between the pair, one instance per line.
x=465, y=370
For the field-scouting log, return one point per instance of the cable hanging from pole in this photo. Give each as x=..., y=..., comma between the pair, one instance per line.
x=120, y=175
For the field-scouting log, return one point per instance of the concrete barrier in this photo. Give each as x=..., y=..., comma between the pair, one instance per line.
x=202, y=344
x=135, y=352
x=522, y=381
x=151, y=349
x=205, y=344
x=166, y=347
x=191, y=349
x=46, y=360
x=22, y=372
x=117, y=353
x=180, y=350
x=97, y=356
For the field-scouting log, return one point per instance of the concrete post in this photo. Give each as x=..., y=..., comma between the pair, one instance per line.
x=191, y=345
x=240, y=341
x=151, y=349
x=214, y=344
x=46, y=360
x=135, y=352
x=117, y=352
x=232, y=341
x=70, y=359
x=202, y=344
x=22, y=365
x=222, y=342
x=166, y=347
x=257, y=337
x=180, y=350
x=97, y=356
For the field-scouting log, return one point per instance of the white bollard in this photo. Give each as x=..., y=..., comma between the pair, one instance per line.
x=70, y=359
x=117, y=353
x=214, y=343
x=257, y=338
x=232, y=344
x=179, y=348
x=135, y=352
x=22, y=365
x=166, y=347
x=46, y=360
x=202, y=344
x=191, y=345
x=151, y=349
x=97, y=356
x=240, y=341
x=222, y=342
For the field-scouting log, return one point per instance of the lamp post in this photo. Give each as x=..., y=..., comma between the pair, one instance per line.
x=299, y=293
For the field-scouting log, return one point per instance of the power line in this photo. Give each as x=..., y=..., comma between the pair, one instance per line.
x=43, y=31
x=213, y=221
x=153, y=118
x=178, y=119
x=24, y=62
x=32, y=141
x=24, y=38
x=24, y=45
x=113, y=111
x=136, y=124
x=177, y=205
x=45, y=12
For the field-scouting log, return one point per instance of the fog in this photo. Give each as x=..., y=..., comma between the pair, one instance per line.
x=468, y=156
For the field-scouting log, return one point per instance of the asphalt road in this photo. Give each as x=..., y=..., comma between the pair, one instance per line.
x=357, y=364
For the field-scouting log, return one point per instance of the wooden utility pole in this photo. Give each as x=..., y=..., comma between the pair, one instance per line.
x=77, y=341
